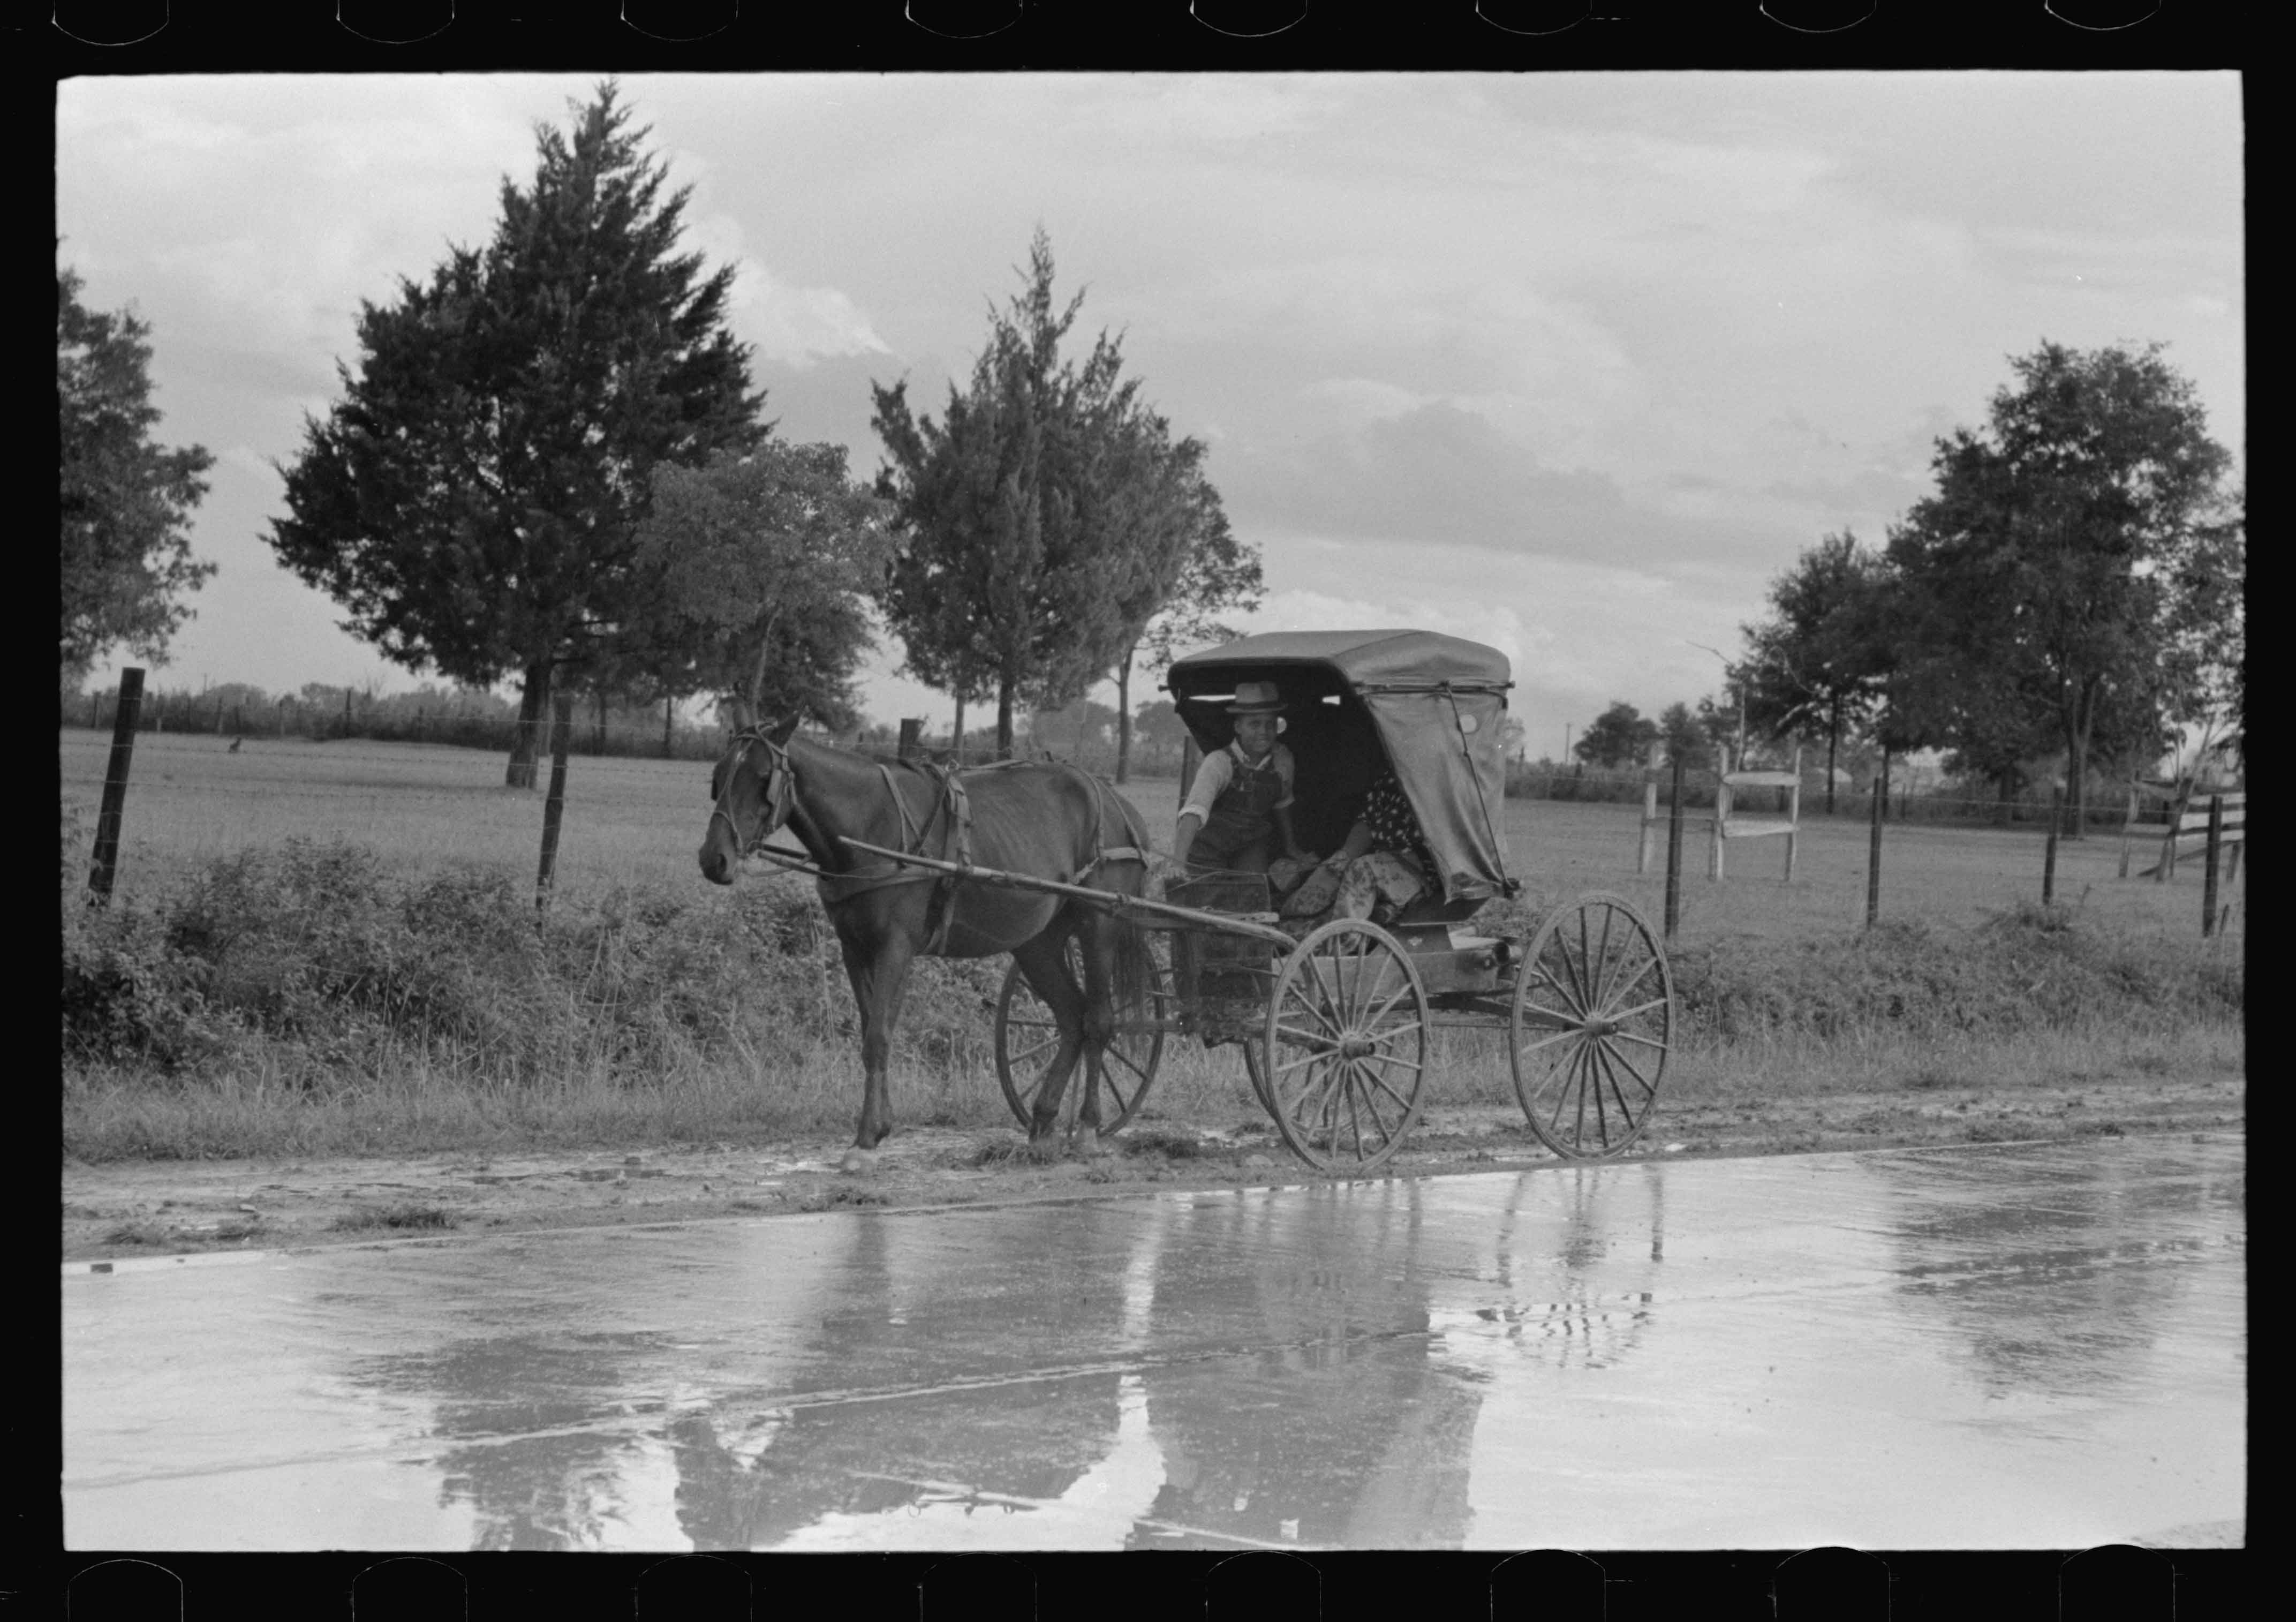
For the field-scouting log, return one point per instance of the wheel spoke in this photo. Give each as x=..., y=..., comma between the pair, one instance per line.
x=1609, y=1078
x=1602, y=958
x=1627, y=1036
x=1355, y=1116
x=1381, y=1013
x=1649, y=963
x=1561, y=1036
x=1401, y=1102
x=1639, y=1007
x=1320, y=1010
x=1576, y=992
x=1317, y=1040
x=1562, y=1091
x=1632, y=1069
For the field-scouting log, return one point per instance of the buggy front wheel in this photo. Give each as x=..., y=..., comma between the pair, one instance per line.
x=1591, y=1023
x=1027, y=1036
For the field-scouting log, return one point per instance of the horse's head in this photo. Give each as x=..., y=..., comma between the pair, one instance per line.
x=751, y=793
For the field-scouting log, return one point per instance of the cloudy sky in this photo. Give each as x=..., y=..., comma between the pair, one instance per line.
x=1570, y=365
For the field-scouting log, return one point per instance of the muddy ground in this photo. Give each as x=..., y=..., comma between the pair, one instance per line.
x=146, y=1207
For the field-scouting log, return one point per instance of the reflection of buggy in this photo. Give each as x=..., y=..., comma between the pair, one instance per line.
x=1334, y=1028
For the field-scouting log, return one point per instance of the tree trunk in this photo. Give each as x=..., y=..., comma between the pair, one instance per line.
x=530, y=736
x=956, y=738
x=1124, y=717
x=2008, y=797
x=1003, y=717
x=669, y=717
x=2077, y=789
x=598, y=728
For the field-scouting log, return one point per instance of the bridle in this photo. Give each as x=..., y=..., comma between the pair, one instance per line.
x=780, y=795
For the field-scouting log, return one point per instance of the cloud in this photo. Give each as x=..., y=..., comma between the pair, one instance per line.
x=1439, y=473
x=797, y=326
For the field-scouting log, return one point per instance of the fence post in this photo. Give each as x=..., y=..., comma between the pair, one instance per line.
x=1649, y=811
x=1874, y=844
x=105, y=857
x=553, y=807
x=2049, y=850
x=1793, y=814
x=1674, y=850
x=2209, y=873
x=1722, y=800
x=912, y=732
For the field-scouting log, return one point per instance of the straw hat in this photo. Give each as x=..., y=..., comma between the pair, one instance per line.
x=1256, y=698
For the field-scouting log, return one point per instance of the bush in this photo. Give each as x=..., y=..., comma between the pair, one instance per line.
x=2023, y=969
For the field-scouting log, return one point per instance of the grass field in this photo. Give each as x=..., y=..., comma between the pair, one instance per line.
x=639, y=823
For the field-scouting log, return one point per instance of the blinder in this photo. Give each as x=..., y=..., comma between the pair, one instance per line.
x=780, y=791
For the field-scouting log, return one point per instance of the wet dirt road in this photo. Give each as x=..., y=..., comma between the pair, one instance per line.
x=2036, y=1346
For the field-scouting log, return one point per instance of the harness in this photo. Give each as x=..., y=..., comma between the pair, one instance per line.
x=952, y=810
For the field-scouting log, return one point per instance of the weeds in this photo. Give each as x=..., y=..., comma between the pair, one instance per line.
x=402, y=1219
x=307, y=998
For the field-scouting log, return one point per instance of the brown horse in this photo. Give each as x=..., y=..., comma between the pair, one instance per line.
x=1038, y=820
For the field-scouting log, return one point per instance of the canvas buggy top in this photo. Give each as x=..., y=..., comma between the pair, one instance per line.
x=1429, y=705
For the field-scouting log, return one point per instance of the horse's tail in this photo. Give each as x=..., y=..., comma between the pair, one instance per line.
x=1132, y=967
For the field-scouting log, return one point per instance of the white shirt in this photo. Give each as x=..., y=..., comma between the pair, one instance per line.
x=1218, y=770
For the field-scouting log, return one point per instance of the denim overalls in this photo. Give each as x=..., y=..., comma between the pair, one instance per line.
x=1240, y=834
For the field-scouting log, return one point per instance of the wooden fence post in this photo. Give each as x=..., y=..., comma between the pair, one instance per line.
x=105, y=857
x=1649, y=811
x=2049, y=851
x=1674, y=850
x=554, y=807
x=1874, y=844
x=2209, y=873
x=1721, y=813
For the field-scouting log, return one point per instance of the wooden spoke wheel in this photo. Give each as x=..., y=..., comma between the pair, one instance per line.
x=1027, y=1036
x=1592, y=1022
x=1346, y=1047
x=1257, y=1069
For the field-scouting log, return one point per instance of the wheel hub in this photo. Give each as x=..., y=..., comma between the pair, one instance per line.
x=1354, y=1045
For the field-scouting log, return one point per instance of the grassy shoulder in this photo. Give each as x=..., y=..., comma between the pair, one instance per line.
x=306, y=1001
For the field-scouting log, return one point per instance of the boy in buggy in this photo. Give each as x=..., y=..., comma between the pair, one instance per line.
x=1239, y=808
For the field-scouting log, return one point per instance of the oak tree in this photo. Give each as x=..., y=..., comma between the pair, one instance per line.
x=2045, y=574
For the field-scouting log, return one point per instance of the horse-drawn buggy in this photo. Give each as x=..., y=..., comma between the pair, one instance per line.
x=1336, y=1016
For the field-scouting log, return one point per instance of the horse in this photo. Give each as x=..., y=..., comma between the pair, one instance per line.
x=1037, y=819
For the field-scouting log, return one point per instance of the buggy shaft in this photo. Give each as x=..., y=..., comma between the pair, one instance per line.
x=1225, y=924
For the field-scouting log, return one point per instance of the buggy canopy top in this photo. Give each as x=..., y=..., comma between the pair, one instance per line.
x=1428, y=705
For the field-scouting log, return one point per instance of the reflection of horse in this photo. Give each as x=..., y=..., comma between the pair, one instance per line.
x=1038, y=820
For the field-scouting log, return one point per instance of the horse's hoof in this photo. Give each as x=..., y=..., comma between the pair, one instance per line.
x=858, y=1160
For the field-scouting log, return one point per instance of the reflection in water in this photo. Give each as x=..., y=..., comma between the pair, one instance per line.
x=1410, y=1363
x=1340, y=1429
x=2053, y=1282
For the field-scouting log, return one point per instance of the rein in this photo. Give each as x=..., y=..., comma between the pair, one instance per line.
x=781, y=795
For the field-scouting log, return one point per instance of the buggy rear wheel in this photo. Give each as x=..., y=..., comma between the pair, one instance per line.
x=1345, y=1049
x=1027, y=1036
x=1591, y=1024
